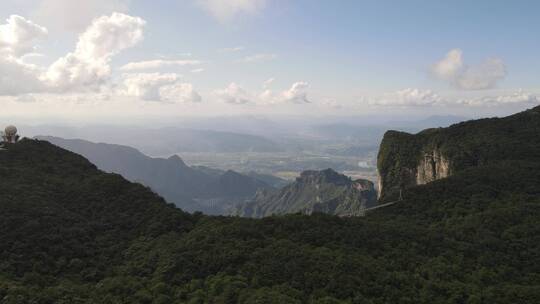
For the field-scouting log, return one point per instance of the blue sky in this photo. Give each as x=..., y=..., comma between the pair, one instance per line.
x=217, y=57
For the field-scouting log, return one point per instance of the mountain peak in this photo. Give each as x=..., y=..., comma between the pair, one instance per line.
x=323, y=176
x=325, y=191
x=175, y=158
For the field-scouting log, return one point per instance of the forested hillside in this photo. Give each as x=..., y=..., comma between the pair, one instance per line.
x=210, y=191
x=70, y=233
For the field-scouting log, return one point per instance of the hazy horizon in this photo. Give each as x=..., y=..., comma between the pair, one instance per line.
x=121, y=61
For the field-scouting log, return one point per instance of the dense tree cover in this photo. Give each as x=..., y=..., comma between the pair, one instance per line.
x=467, y=144
x=72, y=234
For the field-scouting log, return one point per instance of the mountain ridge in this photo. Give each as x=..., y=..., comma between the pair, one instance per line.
x=323, y=191
x=190, y=188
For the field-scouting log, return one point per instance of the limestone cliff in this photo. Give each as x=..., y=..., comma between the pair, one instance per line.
x=407, y=160
x=433, y=165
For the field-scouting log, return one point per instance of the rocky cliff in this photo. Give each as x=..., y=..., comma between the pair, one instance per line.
x=407, y=160
x=314, y=191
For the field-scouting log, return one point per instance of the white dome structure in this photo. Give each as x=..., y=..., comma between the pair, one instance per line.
x=10, y=130
x=10, y=134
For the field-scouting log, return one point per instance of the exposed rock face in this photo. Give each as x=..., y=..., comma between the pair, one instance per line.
x=404, y=162
x=407, y=160
x=314, y=191
x=433, y=166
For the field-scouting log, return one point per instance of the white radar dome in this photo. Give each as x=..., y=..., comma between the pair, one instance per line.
x=10, y=131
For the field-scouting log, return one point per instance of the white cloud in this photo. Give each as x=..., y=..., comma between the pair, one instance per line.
x=157, y=64
x=226, y=10
x=76, y=15
x=234, y=94
x=232, y=49
x=297, y=93
x=158, y=87
x=477, y=77
x=17, y=39
x=408, y=97
x=267, y=83
x=19, y=36
x=258, y=58
x=267, y=96
x=450, y=66
x=89, y=65
x=483, y=76
x=17, y=77
x=180, y=93
x=29, y=56
x=518, y=97
x=425, y=98
x=200, y=70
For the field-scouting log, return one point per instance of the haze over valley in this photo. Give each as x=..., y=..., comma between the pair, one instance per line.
x=269, y=152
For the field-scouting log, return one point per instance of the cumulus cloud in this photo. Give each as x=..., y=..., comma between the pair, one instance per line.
x=19, y=36
x=89, y=65
x=180, y=93
x=297, y=93
x=226, y=10
x=17, y=77
x=408, y=97
x=516, y=98
x=450, y=66
x=258, y=58
x=158, y=87
x=157, y=64
x=234, y=94
x=17, y=40
x=452, y=69
x=76, y=15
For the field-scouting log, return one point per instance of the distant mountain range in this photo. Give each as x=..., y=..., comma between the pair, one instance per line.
x=208, y=190
x=163, y=141
x=218, y=192
x=323, y=191
x=465, y=231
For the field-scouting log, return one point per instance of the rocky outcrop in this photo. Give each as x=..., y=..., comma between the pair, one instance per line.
x=432, y=166
x=314, y=191
x=407, y=160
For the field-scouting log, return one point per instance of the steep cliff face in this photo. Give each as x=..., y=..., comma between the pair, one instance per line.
x=407, y=160
x=433, y=165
